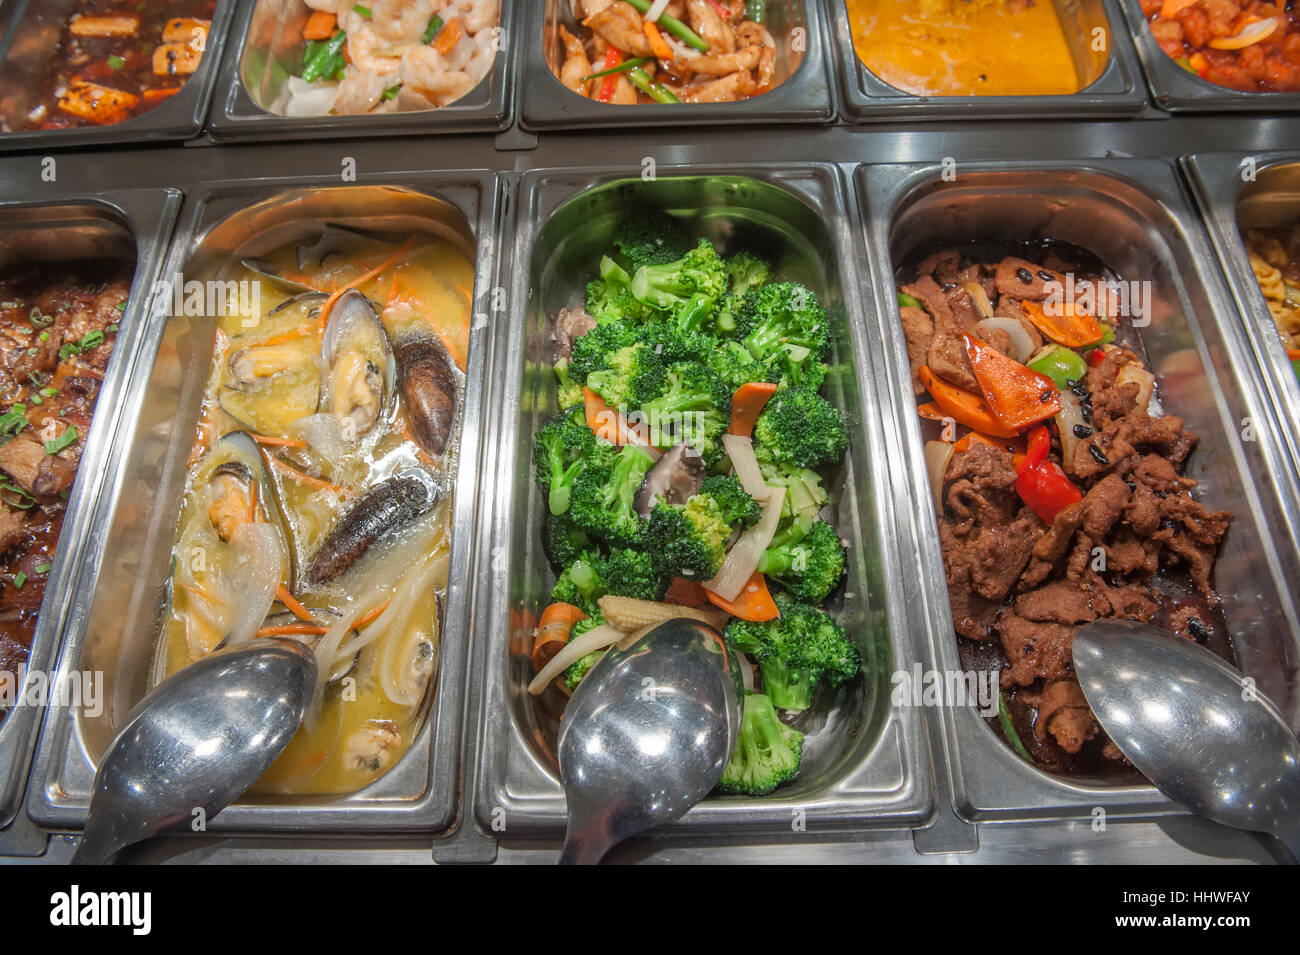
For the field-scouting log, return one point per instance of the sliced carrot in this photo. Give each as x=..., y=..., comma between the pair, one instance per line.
x=553, y=631
x=754, y=602
x=1073, y=328
x=277, y=442
x=657, y=42
x=611, y=426
x=962, y=406
x=1018, y=396
x=320, y=26
x=448, y=36
x=747, y=404
x=303, y=478
x=300, y=331
x=292, y=628
x=371, y=616
x=153, y=97
x=298, y=610
x=378, y=270
x=401, y=292
x=687, y=593
x=932, y=411
x=1171, y=8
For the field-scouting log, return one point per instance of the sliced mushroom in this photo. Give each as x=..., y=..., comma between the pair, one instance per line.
x=675, y=479
x=570, y=325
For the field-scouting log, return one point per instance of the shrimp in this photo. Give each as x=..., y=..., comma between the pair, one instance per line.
x=576, y=65
x=363, y=41
x=621, y=26
x=425, y=70
x=326, y=6
x=476, y=15
x=711, y=27
x=720, y=65
x=400, y=21
x=360, y=91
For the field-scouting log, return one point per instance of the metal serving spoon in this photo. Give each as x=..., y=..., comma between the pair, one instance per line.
x=1191, y=724
x=197, y=742
x=647, y=735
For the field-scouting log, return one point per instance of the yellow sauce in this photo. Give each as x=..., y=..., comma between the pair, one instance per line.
x=358, y=716
x=964, y=47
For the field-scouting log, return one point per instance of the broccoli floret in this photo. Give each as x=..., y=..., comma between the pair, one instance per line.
x=579, y=669
x=595, y=350
x=747, y=271
x=563, y=541
x=732, y=499
x=602, y=498
x=689, y=540
x=565, y=448
x=611, y=299
x=634, y=376
x=796, y=652
x=634, y=573
x=804, y=497
x=567, y=391
x=699, y=272
x=581, y=584
x=673, y=344
x=809, y=568
x=784, y=327
x=732, y=362
x=767, y=753
x=695, y=407
x=802, y=428
x=650, y=238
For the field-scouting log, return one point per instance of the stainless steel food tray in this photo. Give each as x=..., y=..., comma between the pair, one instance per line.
x=1229, y=202
x=113, y=623
x=134, y=223
x=239, y=115
x=804, y=97
x=25, y=51
x=866, y=763
x=1115, y=90
x=1175, y=89
x=1133, y=214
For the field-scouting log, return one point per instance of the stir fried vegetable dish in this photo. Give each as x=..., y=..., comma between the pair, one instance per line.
x=681, y=477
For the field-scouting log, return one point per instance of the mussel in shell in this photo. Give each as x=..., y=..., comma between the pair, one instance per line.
x=268, y=388
x=427, y=378
x=385, y=510
x=359, y=382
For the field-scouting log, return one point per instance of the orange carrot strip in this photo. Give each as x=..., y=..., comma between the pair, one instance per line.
x=657, y=43
x=277, y=442
x=370, y=617
x=304, y=478
x=299, y=331
x=379, y=269
x=291, y=628
x=448, y=36
x=961, y=405
x=688, y=593
x=320, y=26
x=1017, y=395
x=553, y=631
x=610, y=425
x=754, y=602
x=298, y=610
x=452, y=345
x=1072, y=328
x=747, y=404
x=1171, y=8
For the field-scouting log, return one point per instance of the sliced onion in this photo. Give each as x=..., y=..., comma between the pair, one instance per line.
x=597, y=638
x=937, y=456
x=743, y=558
x=255, y=577
x=741, y=452
x=1071, y=414
x=656, y=11
x=1250, y=34
x=1020, y=340
x=1145, y=381
x=979, y=297
x=747, y=674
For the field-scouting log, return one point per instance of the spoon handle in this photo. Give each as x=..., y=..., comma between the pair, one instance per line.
x=1289, y=835
x=584, y=847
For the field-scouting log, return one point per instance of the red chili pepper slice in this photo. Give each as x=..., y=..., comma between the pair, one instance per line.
x=1041, y=483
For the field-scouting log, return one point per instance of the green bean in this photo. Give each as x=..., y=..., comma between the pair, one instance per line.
x=656, y=91
x=621, y=68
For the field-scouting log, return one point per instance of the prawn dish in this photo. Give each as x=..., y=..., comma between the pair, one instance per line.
x=318, y=500
x=389, y=56
x=627, y=52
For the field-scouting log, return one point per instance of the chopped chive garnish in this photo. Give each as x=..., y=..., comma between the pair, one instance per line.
x=49, y=392
x=19, y=579
x=433, y=29
x=392, y=91
x=116, y=62
x=43, y=568
x=91, y=339
x=62, y=441
x=358, y=8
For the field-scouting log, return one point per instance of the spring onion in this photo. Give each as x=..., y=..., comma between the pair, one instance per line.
x=755, y=10
x=19, y=579
x=62, y=441
x=43, y=568
x=906, y=301
x=323, y=59
x=15, y=420
x=621, y=68
x=674, y=26
x=432, y=30
x=1009, y=729
x=646, y=84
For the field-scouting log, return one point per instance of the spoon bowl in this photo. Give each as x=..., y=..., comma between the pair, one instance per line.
x=1193, y=725
x=196, y=743
x=647, y=735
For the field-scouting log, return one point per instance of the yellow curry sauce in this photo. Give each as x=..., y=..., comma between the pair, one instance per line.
x=964, y=47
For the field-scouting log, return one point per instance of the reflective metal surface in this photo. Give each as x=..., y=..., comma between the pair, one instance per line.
x=265, y=48
x=25, y=51
x=113, y=627
x=1175, y=89
x=1110, y=84
x=865, y=762
x=646, y=735
x=196, y=742
x=133, y=226
x=804, y=96
x=1132, y=215
x=1193, y=725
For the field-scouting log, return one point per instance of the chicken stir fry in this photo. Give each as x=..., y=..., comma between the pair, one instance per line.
x=695, y=51
x=391, y=56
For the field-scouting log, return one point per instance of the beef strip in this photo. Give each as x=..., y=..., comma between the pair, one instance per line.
x=918, y=330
